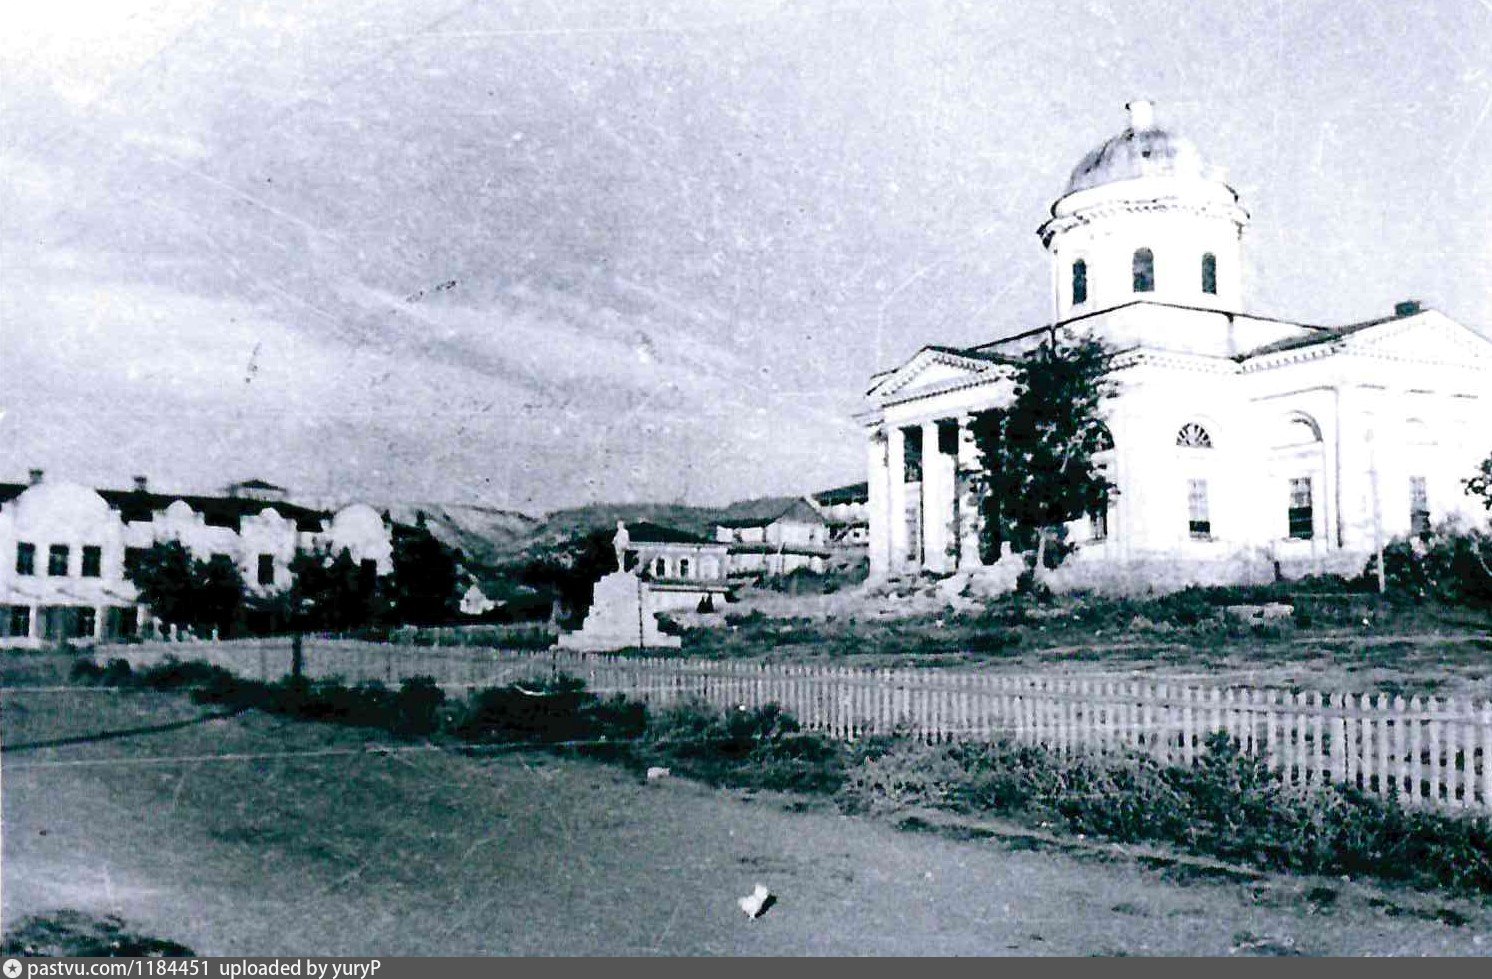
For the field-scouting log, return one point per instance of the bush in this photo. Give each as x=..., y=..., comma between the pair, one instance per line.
x=68, y=933
x=762, y=748
x=417, y=707
x=1450, y=564
x=548, y=711
x=1227, y=804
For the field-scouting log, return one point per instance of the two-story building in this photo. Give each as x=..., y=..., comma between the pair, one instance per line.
x=65, y=549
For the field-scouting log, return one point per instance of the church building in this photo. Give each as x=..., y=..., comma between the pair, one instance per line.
x=1241, y=446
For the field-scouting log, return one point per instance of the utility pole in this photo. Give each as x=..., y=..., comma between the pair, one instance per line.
x=1377, y=510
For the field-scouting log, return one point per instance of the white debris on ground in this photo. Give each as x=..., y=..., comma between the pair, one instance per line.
x=657, y=772
x=898, y=598
x=755, y=903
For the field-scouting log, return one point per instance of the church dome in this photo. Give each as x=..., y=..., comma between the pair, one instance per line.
x=1142, y=150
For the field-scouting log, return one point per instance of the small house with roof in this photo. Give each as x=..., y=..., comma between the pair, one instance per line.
x=846, y=510
x=680, y=569
x=774, y=536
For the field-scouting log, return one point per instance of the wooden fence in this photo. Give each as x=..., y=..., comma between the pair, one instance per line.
x=1427, y=750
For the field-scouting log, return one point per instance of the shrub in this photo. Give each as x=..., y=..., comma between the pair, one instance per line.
x=1227, y=804
x=85, y=671
x=548, y=711
x=1450, y=564
x=762, y=748
x=68, y=933
x=417, y=707
x=172, y=674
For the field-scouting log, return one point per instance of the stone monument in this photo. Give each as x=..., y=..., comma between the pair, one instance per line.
x=621, y=617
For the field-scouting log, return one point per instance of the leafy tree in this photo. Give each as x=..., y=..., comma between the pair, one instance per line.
x=329, y=590
x=220, y=592
x=426, y=579
x=1480, y=484
x=1038, y=470
x=569, y=570
x=186, y=592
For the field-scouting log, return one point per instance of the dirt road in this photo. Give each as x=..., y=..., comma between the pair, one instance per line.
x=290, y=838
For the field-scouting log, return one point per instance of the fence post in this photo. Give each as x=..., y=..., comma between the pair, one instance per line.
x=1401, y=763
x=1452, y=732
x=1437, y=770
x=1487, y=755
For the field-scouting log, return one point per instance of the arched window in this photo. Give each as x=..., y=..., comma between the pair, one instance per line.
x=660, y=568
x=1209, y=274
x=1144, y=270
x=683, y=567
x=1079, y=282
x=1297, y=430
x=1193, y=436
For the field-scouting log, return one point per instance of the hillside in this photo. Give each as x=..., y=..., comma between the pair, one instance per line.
x=567, y=524
x=486, y=535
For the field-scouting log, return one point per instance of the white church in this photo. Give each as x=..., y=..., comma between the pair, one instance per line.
x=1242, y=446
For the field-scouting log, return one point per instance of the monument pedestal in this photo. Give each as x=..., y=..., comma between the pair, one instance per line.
x=620, y=617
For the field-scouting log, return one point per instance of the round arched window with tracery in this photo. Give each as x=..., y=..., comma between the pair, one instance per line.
x=1193, y=436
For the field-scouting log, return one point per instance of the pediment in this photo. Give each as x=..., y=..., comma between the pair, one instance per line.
x=932, y=370
x=1429, y=337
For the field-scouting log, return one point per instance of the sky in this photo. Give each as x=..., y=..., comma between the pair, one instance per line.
x=539, y=254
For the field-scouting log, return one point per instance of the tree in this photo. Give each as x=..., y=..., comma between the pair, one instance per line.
x=1038, y=470
x=329, y=590
x=426, y=577
x=570, y=570
x=186, y=592
x=1480, y=484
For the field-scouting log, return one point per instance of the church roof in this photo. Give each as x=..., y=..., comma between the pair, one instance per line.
x=1143, y=149
x=1328, y=334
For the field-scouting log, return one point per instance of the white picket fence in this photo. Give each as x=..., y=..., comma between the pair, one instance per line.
x=1427, y=750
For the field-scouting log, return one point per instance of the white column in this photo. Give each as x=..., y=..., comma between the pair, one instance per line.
x=968, y=509
x=878, y=503
x=896, y=498
x=937, y=501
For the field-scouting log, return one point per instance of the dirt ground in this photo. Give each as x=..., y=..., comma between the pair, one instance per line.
x=252, y=835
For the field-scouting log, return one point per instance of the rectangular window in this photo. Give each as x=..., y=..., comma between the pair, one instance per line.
x=20, y=620
x=1419, y=506
x=1302, y=514
x=93, y=561
x=25, y=558
x=1199, y=523
x=133, y=556
x=266, y=569
x=86, y=623
x=57, y=561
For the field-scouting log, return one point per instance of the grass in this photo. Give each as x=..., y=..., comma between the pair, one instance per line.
x=1338, y=640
